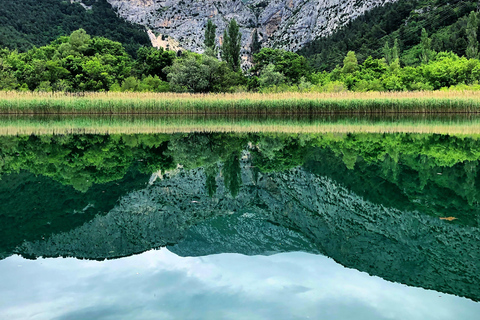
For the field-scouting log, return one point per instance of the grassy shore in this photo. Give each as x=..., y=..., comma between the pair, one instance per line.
x=69, y=124
x=240, y=103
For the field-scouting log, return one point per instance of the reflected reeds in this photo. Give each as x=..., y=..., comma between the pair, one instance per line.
x=131, y=124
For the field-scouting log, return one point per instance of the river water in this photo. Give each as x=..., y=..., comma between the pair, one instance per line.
x=240, y=226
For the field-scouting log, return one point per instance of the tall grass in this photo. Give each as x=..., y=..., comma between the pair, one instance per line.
x=27, y=125
x=240, y=103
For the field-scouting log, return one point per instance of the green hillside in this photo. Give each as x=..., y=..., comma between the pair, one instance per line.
x=445, y=22
x=28, y=23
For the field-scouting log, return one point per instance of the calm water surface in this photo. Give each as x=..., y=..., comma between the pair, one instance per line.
x=239, y=226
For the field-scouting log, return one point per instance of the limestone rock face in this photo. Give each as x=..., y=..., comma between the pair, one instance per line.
x=286, y=24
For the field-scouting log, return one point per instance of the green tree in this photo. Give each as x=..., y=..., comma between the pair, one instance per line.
x=232, y=43
x=79, y=40
x=8, y=81
x=256, y=45
x=425, y=45
x=197, y=73
x=472, y=28
x=270, y=77
x=232, y=173
x=290, y=64
x=151, y=61
x=350, y=63
x=210, y=37
x=387, y=53
x=395, y=51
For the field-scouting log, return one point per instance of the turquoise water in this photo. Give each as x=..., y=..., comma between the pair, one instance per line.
x=239, y=226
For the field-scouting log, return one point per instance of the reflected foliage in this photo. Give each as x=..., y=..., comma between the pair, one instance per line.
x=35, y=206
x=420, y=169
x=408, y=202
x=83, y=160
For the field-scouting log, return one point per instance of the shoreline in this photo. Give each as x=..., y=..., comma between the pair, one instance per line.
x=133, y=103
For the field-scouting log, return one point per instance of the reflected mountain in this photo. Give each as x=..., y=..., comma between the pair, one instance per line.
x=376, y=203
x=295, y=210
x=35, y=207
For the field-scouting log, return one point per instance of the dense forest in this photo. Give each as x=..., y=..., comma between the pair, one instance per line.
x=445, y=21
x=80, y=62
x=28, y=23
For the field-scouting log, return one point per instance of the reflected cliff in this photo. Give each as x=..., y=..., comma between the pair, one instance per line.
x=377, y=203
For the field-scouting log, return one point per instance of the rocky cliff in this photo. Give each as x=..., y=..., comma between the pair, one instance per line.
x=286, y=24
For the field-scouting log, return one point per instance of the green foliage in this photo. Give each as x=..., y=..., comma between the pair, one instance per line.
x=387, y=53
x=426, y=46
x=231, y=46
x=269, y=77
x=232, y=173
x=82, y=161
x=404, y=20
x=472, y=28
x=210, y=37
x=256, y=45
x=75, y=63
x=395, y=51
x=151, y=61
x=196, y=73
x=289, y=64
x=28, y=23
x=82, y=63
x=350, y=63
x=443, y=70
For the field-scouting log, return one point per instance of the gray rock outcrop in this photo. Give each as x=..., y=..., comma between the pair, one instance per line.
x=286, y=24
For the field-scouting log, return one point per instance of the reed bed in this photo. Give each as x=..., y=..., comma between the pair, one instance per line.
x=239, y=103
x=38, y=125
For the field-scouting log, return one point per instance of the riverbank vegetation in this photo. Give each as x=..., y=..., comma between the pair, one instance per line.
x=81, y=63
x=238, y=103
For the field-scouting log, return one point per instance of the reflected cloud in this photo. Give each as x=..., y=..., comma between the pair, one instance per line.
x=161, y=285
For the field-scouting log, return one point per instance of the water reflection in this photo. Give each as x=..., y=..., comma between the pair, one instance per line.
x=403, y=207
x=161, y=285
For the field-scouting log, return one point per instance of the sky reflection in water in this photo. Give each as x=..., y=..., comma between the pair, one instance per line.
x=161, y=285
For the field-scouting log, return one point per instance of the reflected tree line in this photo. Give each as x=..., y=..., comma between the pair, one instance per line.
x=62, y=192
x=434, y=172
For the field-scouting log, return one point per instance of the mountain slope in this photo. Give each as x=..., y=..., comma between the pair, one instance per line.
x=445, y=22
x=287, y=24
x=27, y=23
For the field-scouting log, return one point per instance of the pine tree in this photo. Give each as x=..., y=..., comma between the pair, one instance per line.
x=256, y=46
x=472, y=28
x=350, y=63
x=232, y=39
x=425, y=44
x=387, y=53
x=210, y=35
x=395, y=51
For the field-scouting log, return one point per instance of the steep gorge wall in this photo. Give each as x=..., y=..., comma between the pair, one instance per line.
x=286, y=24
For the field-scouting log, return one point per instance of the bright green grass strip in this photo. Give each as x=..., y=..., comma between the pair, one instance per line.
x=21, y=125
x=243, y=103
x=192, y=106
